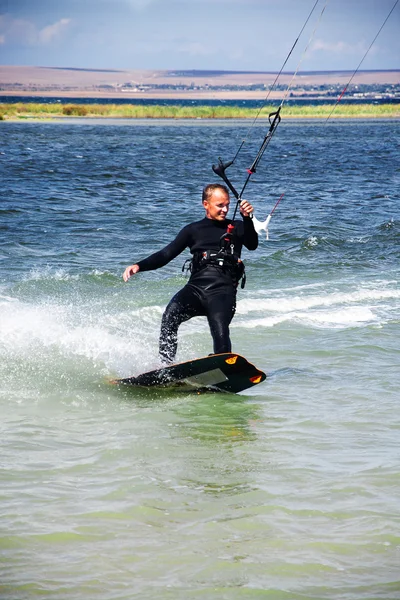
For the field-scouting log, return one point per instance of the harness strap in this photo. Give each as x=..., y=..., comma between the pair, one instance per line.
x=222, y=259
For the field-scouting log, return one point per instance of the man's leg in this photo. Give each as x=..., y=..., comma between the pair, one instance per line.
x=220, y=311
x=183, y=306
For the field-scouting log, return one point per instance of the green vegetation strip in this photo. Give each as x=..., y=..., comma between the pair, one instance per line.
x=23, y=110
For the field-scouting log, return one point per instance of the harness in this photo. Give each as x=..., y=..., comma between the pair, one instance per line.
x=224, y=259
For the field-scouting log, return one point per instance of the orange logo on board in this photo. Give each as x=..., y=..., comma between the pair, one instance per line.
x=255, y=379
x=232, y=360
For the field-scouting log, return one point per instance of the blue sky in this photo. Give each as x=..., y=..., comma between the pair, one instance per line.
x=198, y=34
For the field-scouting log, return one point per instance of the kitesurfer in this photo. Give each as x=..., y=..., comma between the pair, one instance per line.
x=216, y=270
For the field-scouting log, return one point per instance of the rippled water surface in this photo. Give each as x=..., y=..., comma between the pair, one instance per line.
x=289, y=491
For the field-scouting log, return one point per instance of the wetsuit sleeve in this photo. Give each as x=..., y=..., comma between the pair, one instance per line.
x=164, y=256
x=250, y=237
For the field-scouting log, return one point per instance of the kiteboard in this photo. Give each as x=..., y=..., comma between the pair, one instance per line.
x=226, y=372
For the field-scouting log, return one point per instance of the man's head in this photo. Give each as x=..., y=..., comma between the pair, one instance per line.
x=216, y=201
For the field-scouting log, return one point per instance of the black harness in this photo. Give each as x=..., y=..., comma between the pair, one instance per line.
x=225, y=260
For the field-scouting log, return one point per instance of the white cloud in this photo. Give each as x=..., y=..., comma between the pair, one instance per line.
x=49, y=33
x=17, y=30
x=196, y=49
x=338, y=47
x=139, y=4
x=22, y=31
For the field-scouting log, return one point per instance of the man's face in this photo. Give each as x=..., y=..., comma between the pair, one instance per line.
x=217, y=206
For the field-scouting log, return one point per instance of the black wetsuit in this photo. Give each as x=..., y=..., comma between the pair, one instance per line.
x=211, y=289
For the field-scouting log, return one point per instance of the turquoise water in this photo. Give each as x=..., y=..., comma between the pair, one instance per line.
x=288, y=491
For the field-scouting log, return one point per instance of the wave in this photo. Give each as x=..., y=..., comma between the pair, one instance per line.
x=363, y=306
x=92, y=337
x=103, y=333
x=48, y=273
x=283, y=303
x=323, y=319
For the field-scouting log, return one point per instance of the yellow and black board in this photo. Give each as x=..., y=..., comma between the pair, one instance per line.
x=221, y=372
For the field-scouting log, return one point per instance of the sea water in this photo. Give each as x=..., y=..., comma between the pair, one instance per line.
x=287, y=491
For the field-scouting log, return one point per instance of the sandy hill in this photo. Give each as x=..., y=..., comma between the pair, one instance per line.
x=202, y=84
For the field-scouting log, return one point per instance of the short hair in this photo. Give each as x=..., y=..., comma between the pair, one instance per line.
x=210, y=189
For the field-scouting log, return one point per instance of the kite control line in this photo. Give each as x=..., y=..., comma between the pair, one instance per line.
x=220, y=169
x=274, y=119
x=361, y=62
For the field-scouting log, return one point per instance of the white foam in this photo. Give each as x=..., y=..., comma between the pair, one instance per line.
x=71, y=331
x=288, y=303
x=335, y=319
x=122, y=338
x=356, y=308
x=50, y=274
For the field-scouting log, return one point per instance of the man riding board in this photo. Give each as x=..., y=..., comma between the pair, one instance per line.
x=216, y=270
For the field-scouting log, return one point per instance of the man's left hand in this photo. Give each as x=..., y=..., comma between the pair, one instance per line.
x=246, y=208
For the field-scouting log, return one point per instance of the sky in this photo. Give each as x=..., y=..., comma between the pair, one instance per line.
x=229, y=35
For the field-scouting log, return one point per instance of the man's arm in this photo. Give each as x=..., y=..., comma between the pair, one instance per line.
x=162, y=257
